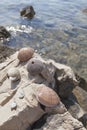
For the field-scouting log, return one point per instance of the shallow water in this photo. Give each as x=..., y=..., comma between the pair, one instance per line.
x=58, y=30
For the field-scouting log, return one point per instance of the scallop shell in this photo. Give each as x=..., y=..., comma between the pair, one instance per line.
x=35, y=66
x=13, y=74
x=47, y=96
x=25, y=54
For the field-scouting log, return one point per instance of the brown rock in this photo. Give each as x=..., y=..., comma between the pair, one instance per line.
x=27, y=12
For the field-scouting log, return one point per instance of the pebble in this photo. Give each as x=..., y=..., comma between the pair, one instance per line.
x=21, y=95
x=13, y=105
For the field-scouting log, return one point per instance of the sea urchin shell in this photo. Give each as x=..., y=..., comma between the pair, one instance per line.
x=35, y=66
x=47, y=96
x=25, y=54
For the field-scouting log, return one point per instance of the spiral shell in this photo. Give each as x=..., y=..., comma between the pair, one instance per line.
x=35, y=66
x=13, y=74
x=25, y=54
x=47, y=96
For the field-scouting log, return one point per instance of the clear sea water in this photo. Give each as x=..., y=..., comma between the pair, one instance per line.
x=58, y=30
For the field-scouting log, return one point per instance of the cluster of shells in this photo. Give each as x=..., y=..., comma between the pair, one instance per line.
x=45, y=95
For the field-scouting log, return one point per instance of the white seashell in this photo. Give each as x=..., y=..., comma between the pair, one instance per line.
x=13, y=105
x=14, y=74
x=12, y=78
x=21, y=95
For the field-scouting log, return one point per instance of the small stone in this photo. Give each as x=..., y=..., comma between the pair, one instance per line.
x=13, y=105
x=21, y=95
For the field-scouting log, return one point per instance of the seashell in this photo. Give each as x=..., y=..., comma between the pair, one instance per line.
x=21, y=95
x=35, y=66
x=13, y=74
x=47, y=96
x=13, y=105
x=25, y=54
x=60, y=109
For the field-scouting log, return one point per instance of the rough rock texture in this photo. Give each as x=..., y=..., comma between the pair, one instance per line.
x=27, y=12
x=18, y=105
x=62, y=122
x=5, y=52
x=4, y=33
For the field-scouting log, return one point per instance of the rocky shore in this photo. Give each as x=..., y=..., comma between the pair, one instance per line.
x=5, y=52
x=24, y=111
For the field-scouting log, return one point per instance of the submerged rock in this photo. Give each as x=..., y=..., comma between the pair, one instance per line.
x=28, y=12
x=4, y=33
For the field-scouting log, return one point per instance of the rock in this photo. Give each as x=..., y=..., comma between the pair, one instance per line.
x=83, y=119
x=82, y=82
x=5, y=52
x=62, y=122
x=73, y=106
x=62, y=77
x=84, y=11
x=4, y=33
x=27, y=109
x=27, y=12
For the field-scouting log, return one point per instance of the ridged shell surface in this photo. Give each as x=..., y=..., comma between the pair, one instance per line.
x=47, y=96
x=14, y=74
x=25, y=54
x=35, y=66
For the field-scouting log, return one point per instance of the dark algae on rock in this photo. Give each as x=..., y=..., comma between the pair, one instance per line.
x=28, y=12
x=4, y=33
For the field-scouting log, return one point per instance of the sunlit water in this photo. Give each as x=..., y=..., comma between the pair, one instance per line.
x=58, y=30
